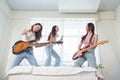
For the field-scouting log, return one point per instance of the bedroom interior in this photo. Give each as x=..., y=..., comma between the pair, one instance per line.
x=71, y=16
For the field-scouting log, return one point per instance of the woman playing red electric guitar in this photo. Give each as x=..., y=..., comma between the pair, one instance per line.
x=90, y=39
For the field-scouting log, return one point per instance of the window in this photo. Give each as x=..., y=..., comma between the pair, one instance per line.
x=72, y=29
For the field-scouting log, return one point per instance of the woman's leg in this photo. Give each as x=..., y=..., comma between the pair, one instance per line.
x=91, y=58
x=18, y=59
x=48, y=52
x=79, y=62
x=30, y=57
x=57, y=58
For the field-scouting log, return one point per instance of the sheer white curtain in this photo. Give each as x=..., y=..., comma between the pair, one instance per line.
x=72, y=29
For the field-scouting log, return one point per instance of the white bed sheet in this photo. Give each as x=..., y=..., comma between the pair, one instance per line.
x=88, y=76
x=61, y=71
x=52, y=73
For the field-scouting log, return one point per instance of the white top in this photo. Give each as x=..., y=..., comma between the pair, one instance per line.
x=29, y=36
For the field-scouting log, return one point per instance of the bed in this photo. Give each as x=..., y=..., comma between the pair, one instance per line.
x=51, y=73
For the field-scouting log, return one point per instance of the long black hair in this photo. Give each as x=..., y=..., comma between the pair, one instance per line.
x=90, y=27
x=38, y=34
x=53, y=32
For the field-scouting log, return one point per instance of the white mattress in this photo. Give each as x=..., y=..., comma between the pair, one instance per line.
x=51, y=73
x=89, y=76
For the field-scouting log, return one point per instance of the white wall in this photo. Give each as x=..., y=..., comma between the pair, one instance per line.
x=109, y=58
x=4, y=35
x=106, y=27
x=117, y=22
x=48, y=14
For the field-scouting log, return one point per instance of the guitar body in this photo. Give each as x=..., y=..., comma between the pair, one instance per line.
x=83, y=52
x=20, y=46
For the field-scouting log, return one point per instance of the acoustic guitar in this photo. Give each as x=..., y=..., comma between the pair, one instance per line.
x=20, y=46
x=85, y=49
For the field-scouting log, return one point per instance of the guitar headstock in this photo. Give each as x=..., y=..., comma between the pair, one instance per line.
x=103, y=42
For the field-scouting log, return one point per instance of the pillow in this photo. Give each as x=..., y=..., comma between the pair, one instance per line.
x=19, y=70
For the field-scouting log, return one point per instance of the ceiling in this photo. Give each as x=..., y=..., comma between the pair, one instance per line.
x=53, y=5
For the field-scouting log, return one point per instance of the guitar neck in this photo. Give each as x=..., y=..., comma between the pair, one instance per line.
x=46, y=43
x=85, y=49
x=57, y=42
x=41, y=44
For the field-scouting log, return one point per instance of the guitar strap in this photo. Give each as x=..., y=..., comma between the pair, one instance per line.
x=91, y=39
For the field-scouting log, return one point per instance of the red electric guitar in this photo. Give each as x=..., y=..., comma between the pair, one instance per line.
x=85, y=49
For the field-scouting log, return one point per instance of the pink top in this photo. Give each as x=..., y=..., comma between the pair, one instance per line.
x=87, y=39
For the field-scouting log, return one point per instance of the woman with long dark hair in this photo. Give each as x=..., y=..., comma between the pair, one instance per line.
x=89, y=39
x=49, y=49
x=34, y=33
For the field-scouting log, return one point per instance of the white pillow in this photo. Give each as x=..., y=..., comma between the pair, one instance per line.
x=19, y=70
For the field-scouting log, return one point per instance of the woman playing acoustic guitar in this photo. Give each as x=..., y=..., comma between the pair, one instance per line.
x=90, y=39
x=34, y=33
x=49, y=49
